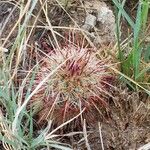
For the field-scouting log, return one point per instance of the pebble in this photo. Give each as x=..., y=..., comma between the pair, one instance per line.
x=90, y=22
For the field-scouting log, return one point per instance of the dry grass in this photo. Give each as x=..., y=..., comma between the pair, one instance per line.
x=57, y=90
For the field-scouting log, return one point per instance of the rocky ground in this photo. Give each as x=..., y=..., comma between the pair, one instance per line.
x=128, y=125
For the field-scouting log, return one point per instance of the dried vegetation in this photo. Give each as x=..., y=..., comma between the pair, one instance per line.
x=62, y=83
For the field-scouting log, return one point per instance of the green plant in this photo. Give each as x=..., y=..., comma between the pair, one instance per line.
x=22, y=135
x=79, y=83
x=132, y=60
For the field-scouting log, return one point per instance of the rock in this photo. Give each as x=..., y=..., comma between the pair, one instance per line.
x=106, y=19
x=104, y=23
x=90, y=22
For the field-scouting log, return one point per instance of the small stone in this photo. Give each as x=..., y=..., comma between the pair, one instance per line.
x=106, y=16
x=90, y=22
x=106, y=20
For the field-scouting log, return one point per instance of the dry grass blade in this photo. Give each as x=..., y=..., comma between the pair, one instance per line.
x=62, y=125
x=131, y=80
x=86, y=136
x=18, y=21
x=100, y=133
x=50, y=26
x=5, y=130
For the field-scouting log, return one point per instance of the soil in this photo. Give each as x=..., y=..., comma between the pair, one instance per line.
x=129, y=125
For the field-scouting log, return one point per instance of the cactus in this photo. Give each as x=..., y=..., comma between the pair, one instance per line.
x=82, y=82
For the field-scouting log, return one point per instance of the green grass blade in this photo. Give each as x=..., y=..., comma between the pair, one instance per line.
x=145, y=10
x=124, y=14
x=142, y=73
